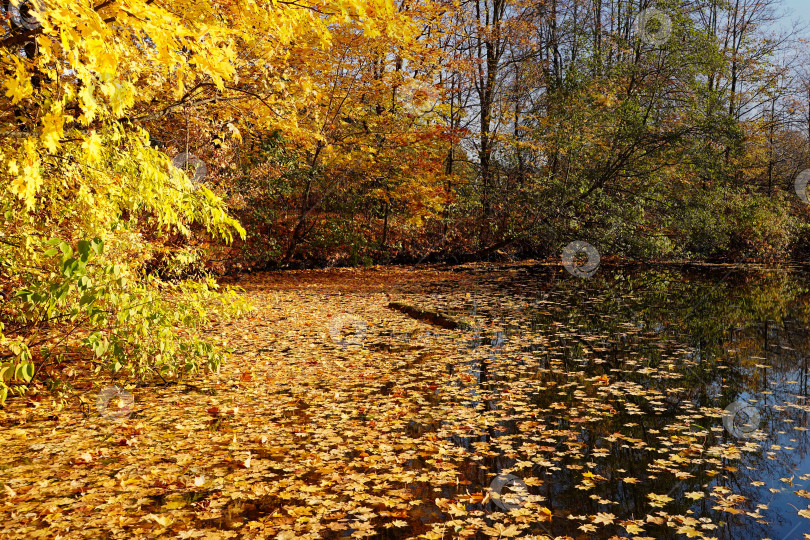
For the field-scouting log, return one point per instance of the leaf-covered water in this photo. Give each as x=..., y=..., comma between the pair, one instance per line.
x=668, y=401
x=659, y=402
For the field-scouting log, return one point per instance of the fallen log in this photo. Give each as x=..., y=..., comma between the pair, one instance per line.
x=433, y=317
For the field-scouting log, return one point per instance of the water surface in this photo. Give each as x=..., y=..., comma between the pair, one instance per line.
x=668, y=400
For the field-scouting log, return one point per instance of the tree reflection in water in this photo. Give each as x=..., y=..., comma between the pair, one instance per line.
x=606, y=394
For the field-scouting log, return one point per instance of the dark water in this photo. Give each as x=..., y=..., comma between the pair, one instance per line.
x=625, y=376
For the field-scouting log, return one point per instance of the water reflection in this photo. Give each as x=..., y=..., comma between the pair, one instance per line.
x=608, y=393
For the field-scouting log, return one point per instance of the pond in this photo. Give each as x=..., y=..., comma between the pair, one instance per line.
x=640, y=402
x=661, y=402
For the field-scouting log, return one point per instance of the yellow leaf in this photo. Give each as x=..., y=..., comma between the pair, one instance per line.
x=632, y=527
x=175, y=504
x=52, y=129
x=457, y=509
x=603, y=518
x=658, y=501
x=92, y=148
x=19, y=86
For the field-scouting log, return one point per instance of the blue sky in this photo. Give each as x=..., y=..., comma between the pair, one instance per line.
x=800, y=8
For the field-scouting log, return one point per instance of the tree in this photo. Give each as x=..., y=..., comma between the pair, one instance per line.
x=88, y=201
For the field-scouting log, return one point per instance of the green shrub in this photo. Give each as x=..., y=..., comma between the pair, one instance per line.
x=92, y=307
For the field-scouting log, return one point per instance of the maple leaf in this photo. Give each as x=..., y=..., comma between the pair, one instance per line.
x=164, y=521
x=52, y=129
x=457, y=509
x=603, y=518
x=632, y=527
x=499, y=530
x=689, y=531
x=18, y=87
x=658, y=501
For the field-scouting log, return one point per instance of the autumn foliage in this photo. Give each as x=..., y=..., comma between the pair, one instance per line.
x=155, y=151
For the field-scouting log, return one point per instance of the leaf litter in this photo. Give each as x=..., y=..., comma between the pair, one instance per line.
x=599, y=419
